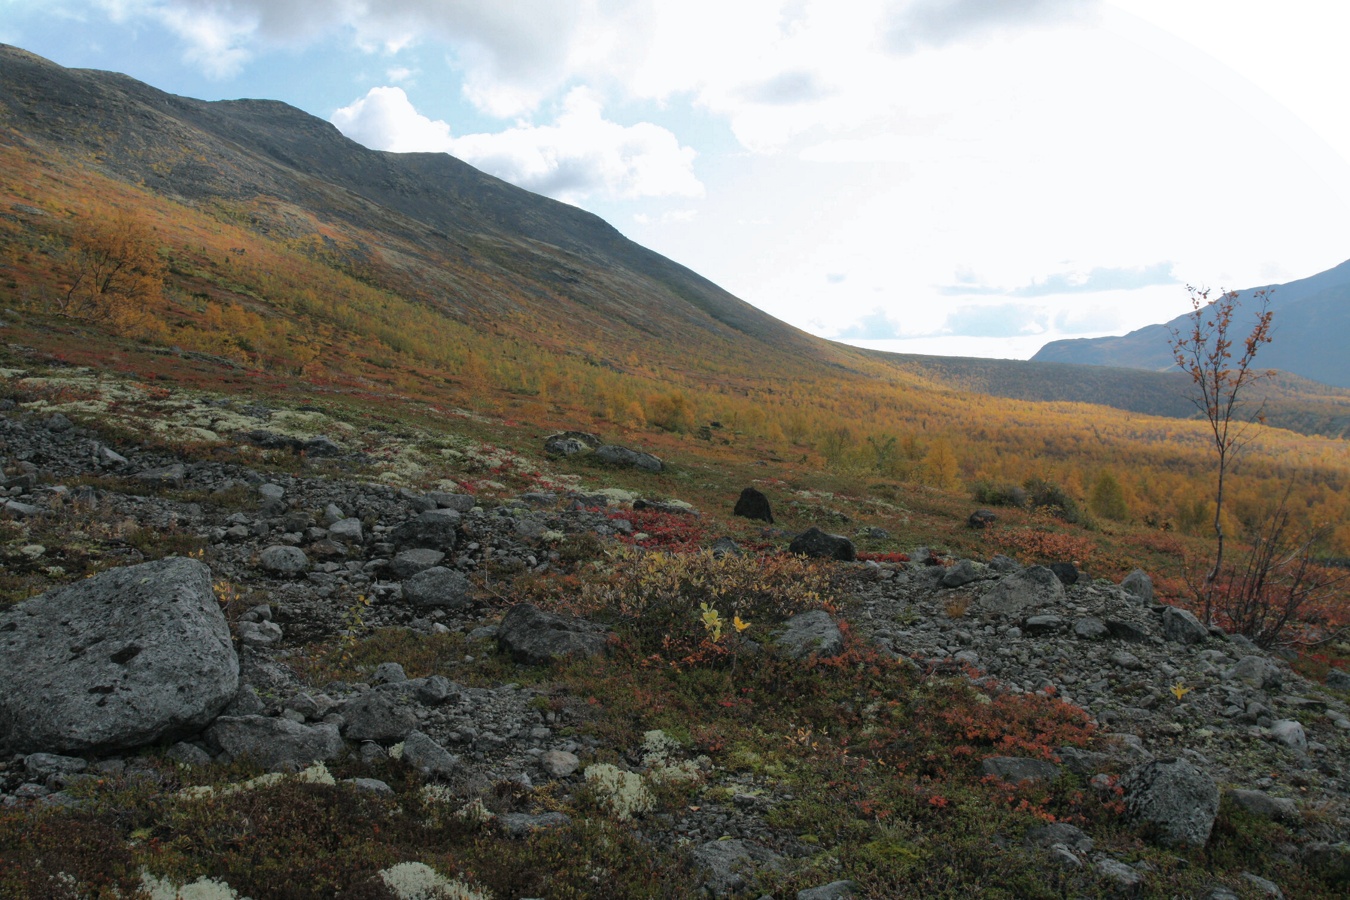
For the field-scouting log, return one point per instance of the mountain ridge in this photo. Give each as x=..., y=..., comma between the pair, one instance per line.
x=1311, y=327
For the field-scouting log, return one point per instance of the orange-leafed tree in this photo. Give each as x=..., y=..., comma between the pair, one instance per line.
x=1222, y=371
x=111, y=271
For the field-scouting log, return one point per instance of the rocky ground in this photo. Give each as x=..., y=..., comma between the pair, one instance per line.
x=312, y=555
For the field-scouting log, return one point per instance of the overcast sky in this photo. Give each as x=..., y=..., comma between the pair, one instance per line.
x=965, y=177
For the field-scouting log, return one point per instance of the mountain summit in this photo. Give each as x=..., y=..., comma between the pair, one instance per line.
x=1311, y=331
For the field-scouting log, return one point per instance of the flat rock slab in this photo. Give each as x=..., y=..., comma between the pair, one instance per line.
x=122, y=659
x=276, y=744
x=535, y=637
x=811, y=633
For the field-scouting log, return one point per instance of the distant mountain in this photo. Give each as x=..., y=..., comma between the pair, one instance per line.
x=1311, y=332
x=482, y=250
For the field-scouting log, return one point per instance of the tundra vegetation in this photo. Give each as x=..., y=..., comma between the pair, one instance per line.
x=873, y=761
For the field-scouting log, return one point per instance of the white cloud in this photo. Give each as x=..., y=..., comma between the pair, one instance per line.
x=581, y=154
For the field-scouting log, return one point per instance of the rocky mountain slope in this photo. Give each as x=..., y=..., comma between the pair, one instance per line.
x=1311, y=327
x=458, y=702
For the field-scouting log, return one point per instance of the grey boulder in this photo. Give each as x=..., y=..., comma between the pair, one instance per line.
x=631, y=459
x=435, y=529
x=1175, y=797
x=811, y=633
x=535, y=637
x=1182, y=626
x=284, y=561
x=437, y=587
x=276, y=744
x=122, y=659
x=1031, y=588
x=377, y=717
x=428, y=757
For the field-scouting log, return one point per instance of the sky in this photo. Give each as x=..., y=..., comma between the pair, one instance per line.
x=957, y=177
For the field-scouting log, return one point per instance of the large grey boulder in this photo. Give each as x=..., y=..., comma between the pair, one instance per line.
x=276, y=744
x=821, y=545
x=1256, y=672
x=1175, y=797
x=535, y=637
x=122, y=659
x=437, y=587
x=810, y=633
x=1031, y=588
x=632, y=459
x=410, y=562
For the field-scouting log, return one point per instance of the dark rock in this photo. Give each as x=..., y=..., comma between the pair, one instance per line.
x=1066, y=572
x=319, y=447
x=1061, y=833
x=1017, y=769
x=1175, y=797
x=752, y=504
x=428, y=757
x=632, y=459
x=964, y=572
x=377, y=717
x=982, y=518
x=534, y=637
x=1330, y=862
x=347, y=531
x=276, y=744
x=434, y=529
x=725, y=546
x=1339, y=679
x=410, y=562
x=818, y=544
x=811, y=633
x=460, y=503
x=437, y=587
x=1046, y=624
x=1126, y=631
x=82, y=673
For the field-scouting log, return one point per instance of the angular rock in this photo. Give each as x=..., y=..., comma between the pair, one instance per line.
x=633, y=459
x=1182, y=626
x=1139, y=586
x=320, y=447
x=259, y=634
x=276, y=744
x=284, y=561
x=410, y=562
x=1175, y=797
x=819, y=545
x=460, y=503
x=347, y=531
x=1256, y=672
x=752, y=504
x=428, y=757
x=1021, y=591
x=1126, y=878
x=377, y=717
x=1091, y=629
x=434, y=529
x=1263, y=805
x=1126, y=631
x=534, y=637
x=964, y=572
x=116, y=661
x=1016, y=769
x=437, y=587
x=811, y=633
x=725, y=865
